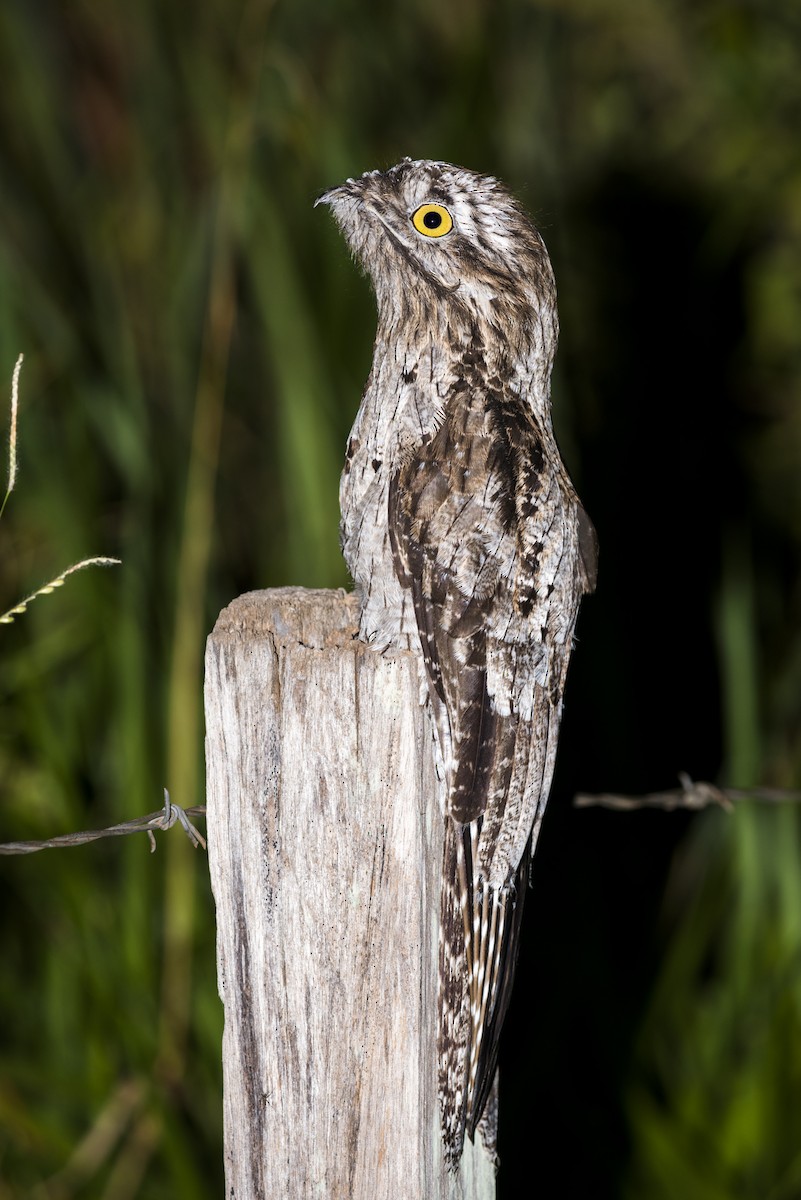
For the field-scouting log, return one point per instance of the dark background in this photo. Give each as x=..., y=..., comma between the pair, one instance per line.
x=196, y=341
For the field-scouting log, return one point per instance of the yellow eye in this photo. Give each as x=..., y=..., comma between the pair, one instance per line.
x=432, y=220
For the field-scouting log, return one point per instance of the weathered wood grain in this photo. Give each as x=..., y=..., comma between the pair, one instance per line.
x=325, y=838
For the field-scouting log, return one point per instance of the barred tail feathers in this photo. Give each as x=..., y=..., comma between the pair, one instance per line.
x=479, y=934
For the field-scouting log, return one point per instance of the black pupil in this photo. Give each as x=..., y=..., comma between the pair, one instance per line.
x=432, y=220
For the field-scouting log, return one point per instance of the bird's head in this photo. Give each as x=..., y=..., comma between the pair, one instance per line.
x=435, y=237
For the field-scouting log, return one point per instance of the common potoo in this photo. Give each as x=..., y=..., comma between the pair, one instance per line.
x=468, y=545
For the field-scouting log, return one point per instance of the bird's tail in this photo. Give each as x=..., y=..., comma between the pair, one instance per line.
x=479, y=935
x=454, y=1001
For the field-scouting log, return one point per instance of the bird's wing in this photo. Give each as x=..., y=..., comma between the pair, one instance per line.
x=478, y=524
x=449, y=538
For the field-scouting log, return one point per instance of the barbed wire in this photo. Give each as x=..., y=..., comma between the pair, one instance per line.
x=163, y=820
x=692, y=795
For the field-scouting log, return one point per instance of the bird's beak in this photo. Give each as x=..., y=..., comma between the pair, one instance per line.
x=332, y=195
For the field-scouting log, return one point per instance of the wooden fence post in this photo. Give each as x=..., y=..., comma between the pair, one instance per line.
x=325, y=836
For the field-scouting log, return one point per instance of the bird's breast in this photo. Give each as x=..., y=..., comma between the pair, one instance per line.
x=400, y=410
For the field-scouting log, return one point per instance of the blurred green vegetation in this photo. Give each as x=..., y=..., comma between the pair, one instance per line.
x=196, y=341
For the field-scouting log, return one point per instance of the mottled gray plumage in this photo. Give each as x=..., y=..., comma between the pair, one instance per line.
x=468, y=545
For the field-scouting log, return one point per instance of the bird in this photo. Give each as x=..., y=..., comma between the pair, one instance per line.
x=469, y=547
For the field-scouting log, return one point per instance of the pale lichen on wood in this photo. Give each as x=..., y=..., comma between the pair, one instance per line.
x=325, y=839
